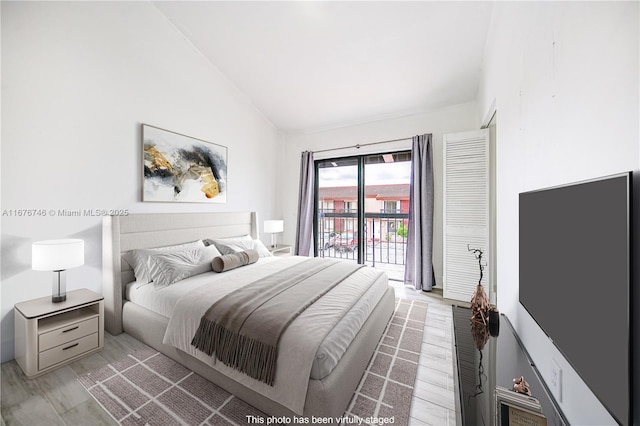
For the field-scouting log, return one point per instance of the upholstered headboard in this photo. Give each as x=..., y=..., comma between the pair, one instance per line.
x=123, y=233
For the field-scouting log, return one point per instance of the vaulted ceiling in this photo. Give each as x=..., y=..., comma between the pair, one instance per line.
x=309, y=65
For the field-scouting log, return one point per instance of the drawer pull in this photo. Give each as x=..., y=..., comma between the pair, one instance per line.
x=71, y=329
x=69, y=347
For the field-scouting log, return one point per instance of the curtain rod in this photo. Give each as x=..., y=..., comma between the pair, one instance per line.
x=357, y=146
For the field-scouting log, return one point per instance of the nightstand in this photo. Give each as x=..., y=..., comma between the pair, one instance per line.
x=49, y=335
x=281, y=250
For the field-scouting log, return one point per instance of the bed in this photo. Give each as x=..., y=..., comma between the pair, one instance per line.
x=328, y=386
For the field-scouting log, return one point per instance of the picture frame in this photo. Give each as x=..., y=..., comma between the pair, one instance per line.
x=516, y=409
x=181, y=168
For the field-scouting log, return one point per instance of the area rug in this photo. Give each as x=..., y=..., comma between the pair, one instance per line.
x=148, y=388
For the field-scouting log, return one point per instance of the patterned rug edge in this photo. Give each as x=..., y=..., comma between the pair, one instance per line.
x=385, y=391
x=147, y=387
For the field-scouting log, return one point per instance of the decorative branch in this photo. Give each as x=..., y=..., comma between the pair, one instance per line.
x=478, y=253
x=479, y=302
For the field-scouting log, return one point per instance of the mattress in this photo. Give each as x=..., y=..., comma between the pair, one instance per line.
x=162, y=300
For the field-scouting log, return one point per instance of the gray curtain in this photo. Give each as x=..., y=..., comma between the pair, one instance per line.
x=306, y=199
x=419, y=268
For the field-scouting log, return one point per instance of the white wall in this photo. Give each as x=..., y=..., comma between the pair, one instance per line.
x=564, y=79
x=78, y=79
x=438, y=122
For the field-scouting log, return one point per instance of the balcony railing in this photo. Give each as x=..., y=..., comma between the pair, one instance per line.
x=384, y=238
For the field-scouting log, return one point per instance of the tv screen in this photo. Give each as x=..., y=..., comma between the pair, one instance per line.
x=575, y=280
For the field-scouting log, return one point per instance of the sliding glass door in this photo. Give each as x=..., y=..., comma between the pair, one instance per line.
x=362, y=209
x=337, y=221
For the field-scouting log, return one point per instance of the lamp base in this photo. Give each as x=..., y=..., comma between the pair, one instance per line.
x=59, y=286
x=58, y=299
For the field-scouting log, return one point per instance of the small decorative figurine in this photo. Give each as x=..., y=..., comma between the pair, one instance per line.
x=520, y=385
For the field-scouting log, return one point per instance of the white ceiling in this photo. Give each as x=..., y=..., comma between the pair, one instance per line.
x=316, y=65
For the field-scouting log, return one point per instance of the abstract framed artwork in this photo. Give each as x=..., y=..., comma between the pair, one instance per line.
x=179, y=168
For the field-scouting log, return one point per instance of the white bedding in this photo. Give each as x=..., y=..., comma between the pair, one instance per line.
x=185, y=302
x=162, y=300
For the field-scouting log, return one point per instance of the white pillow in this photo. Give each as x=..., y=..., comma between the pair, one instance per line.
x=235, y=245
x=140, y=258
x=222, y=242
x=168, y=268
x=261, y=249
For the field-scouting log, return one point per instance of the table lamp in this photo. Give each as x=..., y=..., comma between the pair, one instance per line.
x=57, y=256
x=273, y=227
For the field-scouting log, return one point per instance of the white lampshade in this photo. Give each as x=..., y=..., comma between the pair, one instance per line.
x=273, y=226
x=57, y=255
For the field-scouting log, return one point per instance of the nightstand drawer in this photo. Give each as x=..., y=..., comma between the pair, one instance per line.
x=66, y=334
x=68, y=350
x=49, y=335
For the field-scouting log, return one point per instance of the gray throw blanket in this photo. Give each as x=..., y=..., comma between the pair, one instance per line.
x=243, y=328
x=234, y=260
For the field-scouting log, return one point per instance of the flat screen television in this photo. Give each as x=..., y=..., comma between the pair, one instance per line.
x=575, y=280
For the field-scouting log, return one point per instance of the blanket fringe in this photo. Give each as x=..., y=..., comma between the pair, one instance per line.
x=250, y=356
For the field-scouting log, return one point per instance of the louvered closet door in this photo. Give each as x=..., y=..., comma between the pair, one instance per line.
x=466, y=212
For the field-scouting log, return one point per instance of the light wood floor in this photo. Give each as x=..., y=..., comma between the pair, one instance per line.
x=57, y=398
